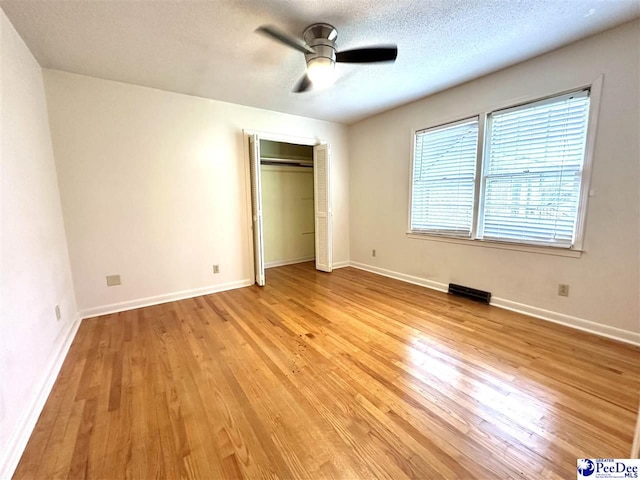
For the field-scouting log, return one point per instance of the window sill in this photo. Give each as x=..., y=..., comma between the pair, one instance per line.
x=560, y=252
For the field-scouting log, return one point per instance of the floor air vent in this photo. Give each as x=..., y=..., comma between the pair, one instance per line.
x=471, y=293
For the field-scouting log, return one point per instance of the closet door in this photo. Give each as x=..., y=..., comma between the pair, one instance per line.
x=322, y=195
x=256, y=206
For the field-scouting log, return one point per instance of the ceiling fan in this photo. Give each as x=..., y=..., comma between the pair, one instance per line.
x=319, y=48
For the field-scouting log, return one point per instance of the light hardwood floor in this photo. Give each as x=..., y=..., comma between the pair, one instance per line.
x=341, y=375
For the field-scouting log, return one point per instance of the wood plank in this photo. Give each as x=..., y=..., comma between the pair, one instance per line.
x=341, y=375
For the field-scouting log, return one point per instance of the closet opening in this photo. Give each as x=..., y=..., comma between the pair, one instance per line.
x=287, y=203
x=290, y=203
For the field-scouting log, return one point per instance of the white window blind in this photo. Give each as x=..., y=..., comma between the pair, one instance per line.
x=533, y=170
x=444, y=167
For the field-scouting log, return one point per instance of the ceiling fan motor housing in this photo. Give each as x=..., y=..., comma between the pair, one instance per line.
x=321, y=38
x=318, y=44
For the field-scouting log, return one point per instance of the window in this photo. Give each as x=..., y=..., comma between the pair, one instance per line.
x=444, y=178
x=524, y=188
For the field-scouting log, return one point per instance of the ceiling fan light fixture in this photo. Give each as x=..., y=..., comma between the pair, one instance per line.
x=321, y=71
x=318, y=43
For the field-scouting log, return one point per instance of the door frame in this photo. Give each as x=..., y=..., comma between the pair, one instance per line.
x=274, y=137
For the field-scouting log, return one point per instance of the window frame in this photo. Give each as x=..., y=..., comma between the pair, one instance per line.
x=443, y=233
x=575, y=250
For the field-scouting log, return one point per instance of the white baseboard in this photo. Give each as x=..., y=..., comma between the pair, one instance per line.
x=282, y=263
x=334, y=266
x=569, y=321
x=10, y=457
x=337, y=265
x=548, y=315
x=157, y=300
x=441, y=287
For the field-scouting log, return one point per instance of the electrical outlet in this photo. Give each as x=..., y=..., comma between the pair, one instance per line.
x=58, y=315
x=563, y=290
x=373, y=252
x=216, y=269
x=113, y=280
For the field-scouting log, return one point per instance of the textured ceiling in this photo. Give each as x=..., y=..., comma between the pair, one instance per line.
x=209, y=48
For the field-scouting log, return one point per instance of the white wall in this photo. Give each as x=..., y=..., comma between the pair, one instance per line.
x=154, y=187
x=604, y=283
x=34, y=264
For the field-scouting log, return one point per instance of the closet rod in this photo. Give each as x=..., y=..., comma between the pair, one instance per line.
x=278, y=161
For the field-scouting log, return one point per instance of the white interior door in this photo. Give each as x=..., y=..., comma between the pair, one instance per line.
x=321, y=175
x=256, y=207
